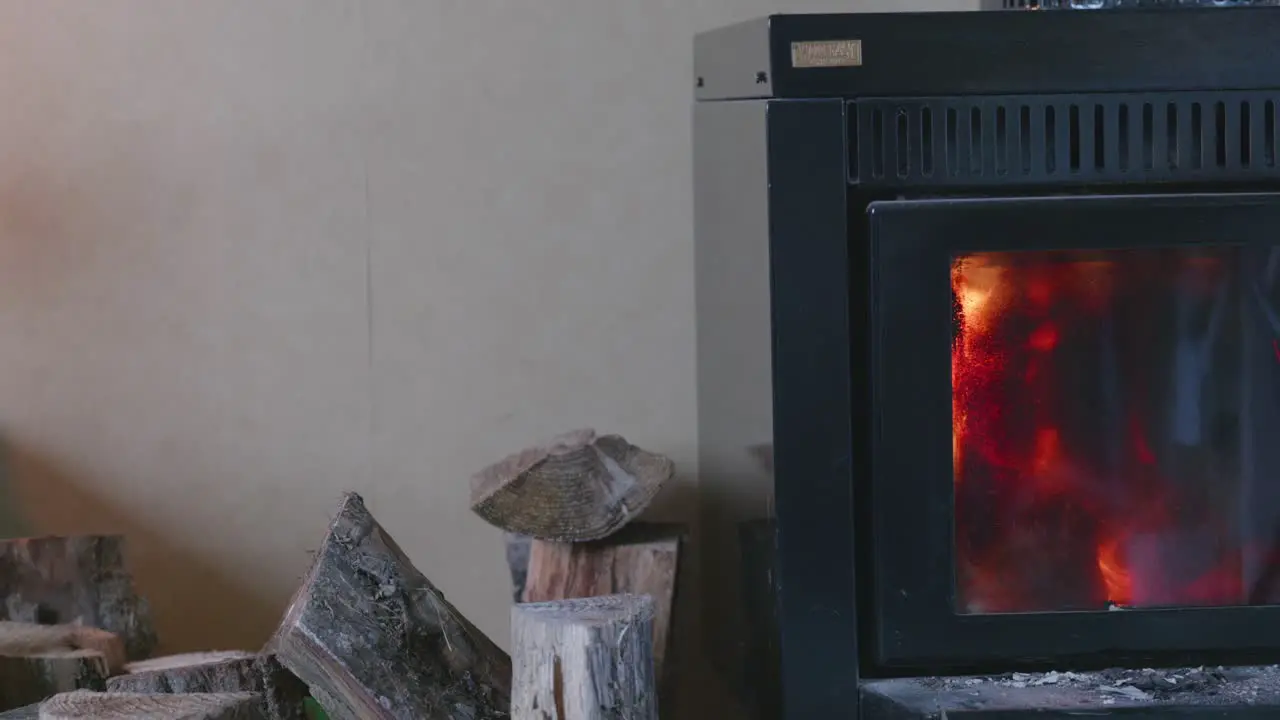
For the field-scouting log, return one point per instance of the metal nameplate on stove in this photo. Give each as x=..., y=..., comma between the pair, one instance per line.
x=826, y=53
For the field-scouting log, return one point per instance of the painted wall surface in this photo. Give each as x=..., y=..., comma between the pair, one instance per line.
x=253, y=254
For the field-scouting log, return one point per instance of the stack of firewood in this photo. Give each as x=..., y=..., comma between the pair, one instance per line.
x=367, y=635
x=568, y=508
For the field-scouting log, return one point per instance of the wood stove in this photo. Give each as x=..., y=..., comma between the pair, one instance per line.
x=998, y=293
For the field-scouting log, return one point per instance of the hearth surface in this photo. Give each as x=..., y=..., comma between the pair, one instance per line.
x=1217, y=692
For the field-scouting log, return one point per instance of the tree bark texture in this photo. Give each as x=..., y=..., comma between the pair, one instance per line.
x=584, y=659
x=281, y=693
x=373, y=638
x=75, y=580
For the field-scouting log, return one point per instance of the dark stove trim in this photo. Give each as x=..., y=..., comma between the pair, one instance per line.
x=812, y=415
x=996, y=52
x=987, y=143
x=913, y=528
x=789, y=157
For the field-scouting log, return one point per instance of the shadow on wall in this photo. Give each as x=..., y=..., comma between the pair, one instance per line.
x=195, y=606
x=701, y=692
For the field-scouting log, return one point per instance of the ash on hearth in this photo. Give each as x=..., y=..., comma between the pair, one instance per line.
x=1246, y=687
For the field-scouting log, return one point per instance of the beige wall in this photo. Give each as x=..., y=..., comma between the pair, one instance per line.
x=255, y=253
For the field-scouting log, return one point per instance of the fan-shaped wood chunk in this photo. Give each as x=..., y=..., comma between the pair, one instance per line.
x=575, y=488
x=281, y=692
x=84, y=705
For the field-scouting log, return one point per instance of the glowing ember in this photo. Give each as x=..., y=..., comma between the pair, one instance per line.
x=1095, y=431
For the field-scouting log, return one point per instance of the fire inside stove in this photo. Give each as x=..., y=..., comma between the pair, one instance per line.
x=1116, y=429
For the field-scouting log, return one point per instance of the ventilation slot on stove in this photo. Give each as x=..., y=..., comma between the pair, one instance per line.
x=1062, y=140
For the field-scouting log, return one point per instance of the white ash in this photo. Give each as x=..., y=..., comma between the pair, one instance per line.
x=1232, y=684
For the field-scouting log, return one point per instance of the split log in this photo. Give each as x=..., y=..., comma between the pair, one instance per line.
x=37, y=661
x=282, y=693
x=26, y=680
x=641, y=559
x=373, y=638
x=577, y=487
x=75, y=580
x=584, y=659
x=84, y=705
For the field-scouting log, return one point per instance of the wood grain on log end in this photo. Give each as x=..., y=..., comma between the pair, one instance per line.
x=373, y=638
x=78, y=580
x=281, y=693
x=84, y=705
x=24, y=639
x=577, y=487
x=186, y=660
x=584, y=659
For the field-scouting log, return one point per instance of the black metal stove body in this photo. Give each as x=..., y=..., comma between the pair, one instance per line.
x=863, y=184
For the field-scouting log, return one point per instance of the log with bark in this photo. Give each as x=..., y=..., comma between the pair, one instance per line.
x=584, y=659
x=26, y=680
x=75, y=580
x=641, y=559
x=282, y=693
x=575, y=488
x=85, y=705
x=38, y=661
x=373, y=638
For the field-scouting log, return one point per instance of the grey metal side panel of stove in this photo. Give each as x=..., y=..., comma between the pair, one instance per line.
x=735, y=408
x=727, y=62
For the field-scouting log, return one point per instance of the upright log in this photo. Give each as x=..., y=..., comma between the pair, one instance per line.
x=84, y=705
x=584, y=659
x=373, y=638
x=282, y=693
x=26, y=680
x=577, y=487
x=641, y=559
x=38, y=661
x=75, y=580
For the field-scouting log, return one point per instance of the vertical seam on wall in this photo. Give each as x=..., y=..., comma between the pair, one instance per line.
x=370, y=380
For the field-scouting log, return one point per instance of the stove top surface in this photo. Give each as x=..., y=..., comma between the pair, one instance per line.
x=1136, y=46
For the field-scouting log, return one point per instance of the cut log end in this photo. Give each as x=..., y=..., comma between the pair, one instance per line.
x=373, y=638
x=589, y=658
x=186, y=660
x=590, y=611
x=281, y=694
x=575, y=488
x=84, y=705
x=27, y=639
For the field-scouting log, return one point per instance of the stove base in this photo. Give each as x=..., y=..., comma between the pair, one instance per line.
x=1221, y=693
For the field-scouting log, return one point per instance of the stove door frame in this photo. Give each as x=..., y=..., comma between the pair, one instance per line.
x=912, y=243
